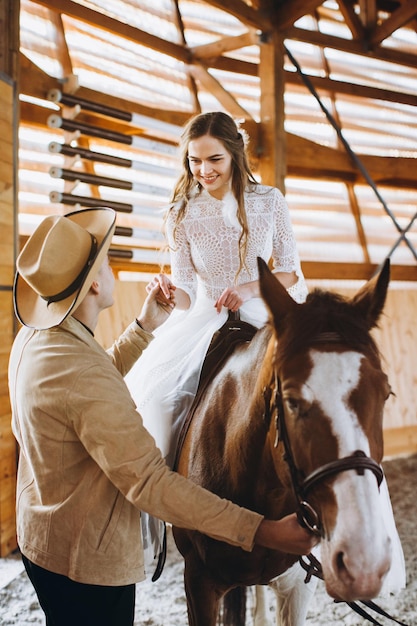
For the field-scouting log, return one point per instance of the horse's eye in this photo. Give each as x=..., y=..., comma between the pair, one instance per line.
x=297, y=406
x=293, y=405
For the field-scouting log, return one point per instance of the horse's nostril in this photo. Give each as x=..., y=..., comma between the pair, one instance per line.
x=339, y=561
x=341, y=567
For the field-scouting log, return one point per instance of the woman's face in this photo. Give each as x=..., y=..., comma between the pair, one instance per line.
x=211, y=165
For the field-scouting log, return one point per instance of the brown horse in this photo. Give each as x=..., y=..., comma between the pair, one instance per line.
x=293, y=422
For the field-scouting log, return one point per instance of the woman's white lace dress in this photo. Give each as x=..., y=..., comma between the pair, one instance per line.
x=204, y=261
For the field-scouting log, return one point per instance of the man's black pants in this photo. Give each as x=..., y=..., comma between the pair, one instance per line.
x=69, y=603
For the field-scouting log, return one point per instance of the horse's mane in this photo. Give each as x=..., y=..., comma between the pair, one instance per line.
x=325, y=312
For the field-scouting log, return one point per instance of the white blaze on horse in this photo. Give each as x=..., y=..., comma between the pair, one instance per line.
x=293, y=422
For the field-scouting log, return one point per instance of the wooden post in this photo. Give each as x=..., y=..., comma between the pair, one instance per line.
x=272, y=143
x=9, y=46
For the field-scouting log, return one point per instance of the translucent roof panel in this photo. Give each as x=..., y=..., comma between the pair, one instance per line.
x=170, y=60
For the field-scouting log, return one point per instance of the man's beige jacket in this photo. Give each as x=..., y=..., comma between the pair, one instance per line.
x=88, y=466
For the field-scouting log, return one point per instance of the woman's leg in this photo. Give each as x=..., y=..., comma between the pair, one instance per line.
x=66, y=602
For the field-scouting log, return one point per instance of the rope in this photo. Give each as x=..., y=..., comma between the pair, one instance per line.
x=313, y=568
x=307, y=82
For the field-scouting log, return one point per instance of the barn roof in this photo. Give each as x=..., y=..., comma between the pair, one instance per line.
x=327, y=91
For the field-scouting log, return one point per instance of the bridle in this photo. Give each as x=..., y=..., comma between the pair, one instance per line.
x=307, y=515
x=358, y=461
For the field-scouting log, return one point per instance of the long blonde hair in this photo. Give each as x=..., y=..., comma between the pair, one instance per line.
x=222, y=127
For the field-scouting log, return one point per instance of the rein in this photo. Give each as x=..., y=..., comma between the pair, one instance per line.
x=307, y=515
x=313, y=568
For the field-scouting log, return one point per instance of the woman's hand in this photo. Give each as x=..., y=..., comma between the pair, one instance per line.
x=233, y=297
x=165, y=293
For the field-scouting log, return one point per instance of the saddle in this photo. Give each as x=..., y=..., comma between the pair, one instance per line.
x=224, y=341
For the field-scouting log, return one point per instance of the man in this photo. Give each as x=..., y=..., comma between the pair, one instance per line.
x=87, y=465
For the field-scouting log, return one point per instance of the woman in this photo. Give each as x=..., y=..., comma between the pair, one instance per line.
x=220, y=221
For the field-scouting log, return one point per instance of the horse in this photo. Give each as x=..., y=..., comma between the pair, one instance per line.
x=292, y=422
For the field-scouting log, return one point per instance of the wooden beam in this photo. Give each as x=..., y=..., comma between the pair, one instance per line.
x=304, y=158
x=99, y=20
x=308, y=159
x=287, y=13
x=355, y=271
x=213, y=86
x=225, y=44
x=351, y=18
x=243, y=12
x=235, y=66
x=368, y=14
x=8, y=227
x=190, y=80
x=400, y=17
x=61, y=43
x=272, y=165
x=9, y=37
x=353, y=46
x=352, y=89
x=314, y=270
x=35, y=82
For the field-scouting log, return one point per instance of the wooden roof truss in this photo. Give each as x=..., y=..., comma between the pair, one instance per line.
x=339, y=135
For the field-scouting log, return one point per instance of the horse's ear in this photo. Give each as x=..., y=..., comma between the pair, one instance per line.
x=276, y=297
x=370, y=299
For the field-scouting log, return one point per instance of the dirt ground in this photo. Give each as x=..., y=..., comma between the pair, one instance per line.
x=163, y=603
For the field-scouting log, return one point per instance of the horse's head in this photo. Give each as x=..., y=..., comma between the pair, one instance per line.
x=331, y=393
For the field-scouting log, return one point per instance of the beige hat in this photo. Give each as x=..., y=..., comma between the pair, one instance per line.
x=58, y=264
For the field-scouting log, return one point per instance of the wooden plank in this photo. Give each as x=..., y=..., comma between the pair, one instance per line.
x=397, y=339
x=8, y=464
x=129, y=298
x=7, y=515
x=400, y=441
x=7, y=321
x=7, y=440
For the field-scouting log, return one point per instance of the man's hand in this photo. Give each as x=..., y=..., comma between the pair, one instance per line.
x=157, y=308
x=286, y=535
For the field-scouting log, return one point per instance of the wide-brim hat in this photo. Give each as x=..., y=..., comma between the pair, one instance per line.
x=58, y=264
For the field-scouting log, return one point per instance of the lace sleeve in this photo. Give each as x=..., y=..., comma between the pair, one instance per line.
x=284, y=254
x=299, y=291
x=183, y=272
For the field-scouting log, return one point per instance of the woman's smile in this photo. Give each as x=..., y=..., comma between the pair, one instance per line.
x=211, y=165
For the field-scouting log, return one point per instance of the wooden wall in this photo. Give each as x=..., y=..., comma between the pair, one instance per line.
x=7, y=256
x=396, y=338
